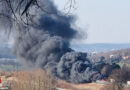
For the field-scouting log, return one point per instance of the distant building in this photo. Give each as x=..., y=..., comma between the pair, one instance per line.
x=102, y=82
x=112, y=80
x=128, y=83
x=112, y=56
x=126, y=57
x=94, y=53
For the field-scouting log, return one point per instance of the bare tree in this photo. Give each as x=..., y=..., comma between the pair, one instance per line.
x=20, y=8
x=121, y=76
x=18, y=13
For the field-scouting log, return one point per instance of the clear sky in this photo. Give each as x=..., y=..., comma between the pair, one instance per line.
x=105, y=21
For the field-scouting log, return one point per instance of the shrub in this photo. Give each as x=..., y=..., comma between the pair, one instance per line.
x=32, y=80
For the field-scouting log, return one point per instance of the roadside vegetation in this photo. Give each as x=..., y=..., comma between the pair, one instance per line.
x=120, y=77
x=29, y=80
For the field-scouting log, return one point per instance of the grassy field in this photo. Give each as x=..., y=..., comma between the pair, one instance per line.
x=121, y=64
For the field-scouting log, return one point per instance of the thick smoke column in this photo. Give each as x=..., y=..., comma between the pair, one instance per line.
x=75, y=67
x=53, y=53
x=46, y=45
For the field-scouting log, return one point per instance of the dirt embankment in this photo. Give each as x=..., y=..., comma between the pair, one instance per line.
x=88, y=86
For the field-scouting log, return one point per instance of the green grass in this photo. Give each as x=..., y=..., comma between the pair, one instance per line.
x=121, y=64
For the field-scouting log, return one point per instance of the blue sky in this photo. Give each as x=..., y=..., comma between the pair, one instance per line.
x=104, y=21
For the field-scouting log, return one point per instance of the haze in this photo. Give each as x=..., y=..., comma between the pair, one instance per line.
x=104, y=21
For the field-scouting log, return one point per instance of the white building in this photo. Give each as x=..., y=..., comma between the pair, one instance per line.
x=128, y=83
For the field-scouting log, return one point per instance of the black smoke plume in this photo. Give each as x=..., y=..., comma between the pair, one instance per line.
x=46, y=44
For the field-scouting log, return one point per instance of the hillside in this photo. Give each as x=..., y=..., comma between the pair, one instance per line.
x=99, y=47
